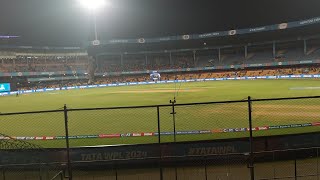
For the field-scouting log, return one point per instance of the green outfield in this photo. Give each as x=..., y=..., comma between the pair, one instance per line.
x=212, y=117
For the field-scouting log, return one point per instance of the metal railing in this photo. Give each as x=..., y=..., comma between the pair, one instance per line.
x=61, y=131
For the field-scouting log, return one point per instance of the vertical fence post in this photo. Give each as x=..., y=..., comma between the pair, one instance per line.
x=295, y=165
x=158, y=121
x=250, y=139
x=116, y=170
x=274, y=169
x=4, y=174
x=317, y=163
x=67, y=140
x=173, y=102
x=159, y=142
x=40, y=172
x=205, y=168
x=174, y=119
x=61, y=176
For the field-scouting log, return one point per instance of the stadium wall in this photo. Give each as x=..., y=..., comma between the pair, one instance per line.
x=170, y=151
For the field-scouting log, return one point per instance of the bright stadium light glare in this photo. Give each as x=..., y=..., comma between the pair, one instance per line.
x=93, y=4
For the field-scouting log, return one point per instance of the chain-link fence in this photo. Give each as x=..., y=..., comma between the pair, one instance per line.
x=288, y=164
x=285, y=116
x=111, y=126
x=244, y=139
x=26, y=139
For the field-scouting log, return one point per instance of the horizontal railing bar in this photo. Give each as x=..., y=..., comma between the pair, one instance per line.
x=30, y=112
x=290, y=177
x=153, y=106
x=285, y=150
x=287, y=98
x=160, y=105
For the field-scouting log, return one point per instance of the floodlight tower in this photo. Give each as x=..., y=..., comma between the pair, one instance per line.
x=93, y=6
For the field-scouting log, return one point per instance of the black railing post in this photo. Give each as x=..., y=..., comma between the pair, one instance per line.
x=40, y=172
x=159, y=142
x=173, y=102
x=274, y=169
x=317, y=163
x=158, y=121
x=116, y=173
x=205, y=168
x=67, y=141
x=295, y=165
x=250, y=139
x=61, y=176
x=4, y=174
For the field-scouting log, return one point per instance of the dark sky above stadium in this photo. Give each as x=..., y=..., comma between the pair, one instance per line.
x=64, y=22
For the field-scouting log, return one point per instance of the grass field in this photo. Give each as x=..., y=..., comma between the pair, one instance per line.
x=193, y=117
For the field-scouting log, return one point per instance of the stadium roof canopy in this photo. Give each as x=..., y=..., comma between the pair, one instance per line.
x=65, y=23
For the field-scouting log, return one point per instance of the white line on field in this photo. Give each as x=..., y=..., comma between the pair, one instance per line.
x=188, y=88
x=304, y=88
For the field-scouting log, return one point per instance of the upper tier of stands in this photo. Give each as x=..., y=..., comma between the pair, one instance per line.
x=205, y=58
x=43, y=64
x=137, y=62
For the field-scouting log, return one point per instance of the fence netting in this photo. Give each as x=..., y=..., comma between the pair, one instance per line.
x=211, y=121
x=25, y=141
x=182, y=141
x=113, y=126
x=281, y=165
x=290, y=116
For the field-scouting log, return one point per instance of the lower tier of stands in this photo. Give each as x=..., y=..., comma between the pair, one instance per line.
x=22, y=83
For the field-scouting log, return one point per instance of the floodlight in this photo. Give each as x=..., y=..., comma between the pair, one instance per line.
x=93, y=4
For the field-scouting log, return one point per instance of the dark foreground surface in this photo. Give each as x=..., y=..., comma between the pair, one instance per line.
x=287, y=157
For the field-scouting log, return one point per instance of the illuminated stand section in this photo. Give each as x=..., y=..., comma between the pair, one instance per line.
x=155, y=76
x=160, y=82
x=5, y=87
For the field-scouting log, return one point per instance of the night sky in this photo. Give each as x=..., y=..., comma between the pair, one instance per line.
x=65, y=23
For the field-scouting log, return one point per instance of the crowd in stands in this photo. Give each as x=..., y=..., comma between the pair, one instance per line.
x=315, y=69
x=75, y=63
x=207, y=59
x=43, y=64
x=104, y=65
x=221, y=74
x=125, y=63
x=149, y=62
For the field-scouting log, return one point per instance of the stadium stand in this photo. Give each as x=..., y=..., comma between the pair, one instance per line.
x=307, y=70
x=44, y=64
x=65, y=67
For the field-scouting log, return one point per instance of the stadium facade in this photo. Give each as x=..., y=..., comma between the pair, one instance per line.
x=285, y=50
x=224, y=54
